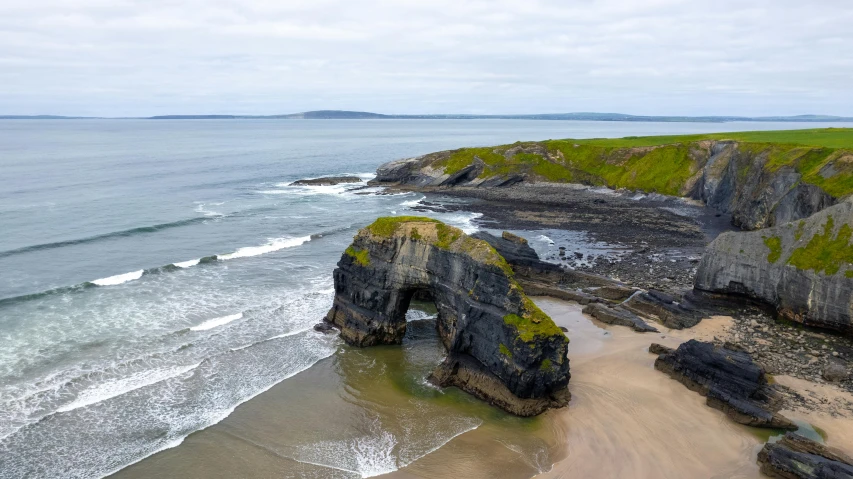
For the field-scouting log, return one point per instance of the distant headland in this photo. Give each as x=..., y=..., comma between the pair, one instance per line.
x=362, y=115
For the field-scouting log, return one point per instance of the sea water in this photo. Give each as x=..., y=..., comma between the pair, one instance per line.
x=154, y=275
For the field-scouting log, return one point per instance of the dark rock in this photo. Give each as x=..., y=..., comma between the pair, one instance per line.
x=656, y=348
x=618, y=316
x=730, y=381
x=501, y=347
x=767, y=266
x=324, y=327
x=612, y=292
x=663, y=306
x=328, y=180
x=796, y=457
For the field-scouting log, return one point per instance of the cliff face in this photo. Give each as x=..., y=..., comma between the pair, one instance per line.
x=760, y=184
x=803, y=268
x=501, y=347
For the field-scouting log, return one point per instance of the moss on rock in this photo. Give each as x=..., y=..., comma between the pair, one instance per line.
x=823, y=253
x=774, y=243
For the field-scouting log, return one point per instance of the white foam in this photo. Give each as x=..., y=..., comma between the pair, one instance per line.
x=545, y=239
x=279, y=336
x=413, y=203
x=465, y=221
x=200, y=209
x=187, y=264
x=216, y=322
x=119, y=278
x=117, y=387
x=272, y=245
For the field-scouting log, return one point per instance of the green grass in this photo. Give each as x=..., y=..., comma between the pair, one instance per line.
x=361, y=256
x=533, y=323
x=824, y=253
x=546, y=365
x=775, y=245
x=664, y=164
x=387, y=225
x=505, y=350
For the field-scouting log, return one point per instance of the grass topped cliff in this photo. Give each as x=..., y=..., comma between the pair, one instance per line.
x=665, y=164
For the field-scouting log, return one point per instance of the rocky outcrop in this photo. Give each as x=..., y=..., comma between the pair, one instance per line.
x=501, y=346
x=796, y=457
x=663, y=307
x=801, y=268
x=618, y=316
x=728, y=378
x=326, y=181
x=759, y=184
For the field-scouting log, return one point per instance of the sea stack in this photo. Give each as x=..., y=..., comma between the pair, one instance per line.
x=501, y=347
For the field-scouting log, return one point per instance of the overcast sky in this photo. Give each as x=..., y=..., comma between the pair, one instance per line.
x=693, y=57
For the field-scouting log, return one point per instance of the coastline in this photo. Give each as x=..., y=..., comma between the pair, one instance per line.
x=625, y=420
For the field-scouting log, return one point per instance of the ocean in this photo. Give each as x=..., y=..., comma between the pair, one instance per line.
x=154, y=275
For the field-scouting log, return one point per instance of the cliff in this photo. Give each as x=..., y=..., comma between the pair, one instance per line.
x=760, y=178
x=501, y=346
x=802, y=268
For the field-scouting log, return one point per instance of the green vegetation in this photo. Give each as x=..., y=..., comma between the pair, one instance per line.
x=505, y=350
x=775, y=245
x=415, y=235
x=387, y=225
x=533, y=323
x=546, y=365
x=664, y=164
x=361, y=256
x=824, y=253
x=447, y=235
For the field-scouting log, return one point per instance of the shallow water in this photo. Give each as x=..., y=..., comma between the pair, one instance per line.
x=157, y=274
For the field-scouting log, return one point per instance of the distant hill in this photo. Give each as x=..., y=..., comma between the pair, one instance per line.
x=363, y=115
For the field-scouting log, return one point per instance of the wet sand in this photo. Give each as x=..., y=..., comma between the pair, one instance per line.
x=625, y=420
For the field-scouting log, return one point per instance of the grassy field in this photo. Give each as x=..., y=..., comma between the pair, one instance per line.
x=664, y=164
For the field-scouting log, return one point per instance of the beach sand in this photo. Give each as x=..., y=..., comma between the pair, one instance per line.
x=625, y=420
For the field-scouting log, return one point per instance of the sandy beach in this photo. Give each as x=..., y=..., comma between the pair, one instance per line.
x=625, y=420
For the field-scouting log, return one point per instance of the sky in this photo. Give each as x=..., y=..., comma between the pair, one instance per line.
x=650, y=57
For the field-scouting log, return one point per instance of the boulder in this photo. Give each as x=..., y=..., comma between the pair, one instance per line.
x=618, y=316
x=803, y=269
x=728, y=378
x=326, y=181
x=836, y=370
x=501, y=346
x=796, y=457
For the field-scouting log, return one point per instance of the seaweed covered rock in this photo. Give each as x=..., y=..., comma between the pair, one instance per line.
x=796, y=457
x=501, y=346
x=804, y=269
x=729, y=379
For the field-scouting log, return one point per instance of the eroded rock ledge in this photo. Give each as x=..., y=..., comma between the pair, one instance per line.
x=729, y=379
x=797, y=457
x=501, y=347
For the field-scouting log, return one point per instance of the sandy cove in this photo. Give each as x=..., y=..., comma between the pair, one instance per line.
x=628, y=420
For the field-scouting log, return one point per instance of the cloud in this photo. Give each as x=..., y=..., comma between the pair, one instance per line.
x=94, y=57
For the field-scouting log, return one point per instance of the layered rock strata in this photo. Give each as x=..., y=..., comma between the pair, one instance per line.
x=804, y=269
x=501, y=346
x=797, y=457
x=728, y=378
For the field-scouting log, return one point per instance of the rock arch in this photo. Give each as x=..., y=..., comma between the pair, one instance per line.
x=501, y=347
